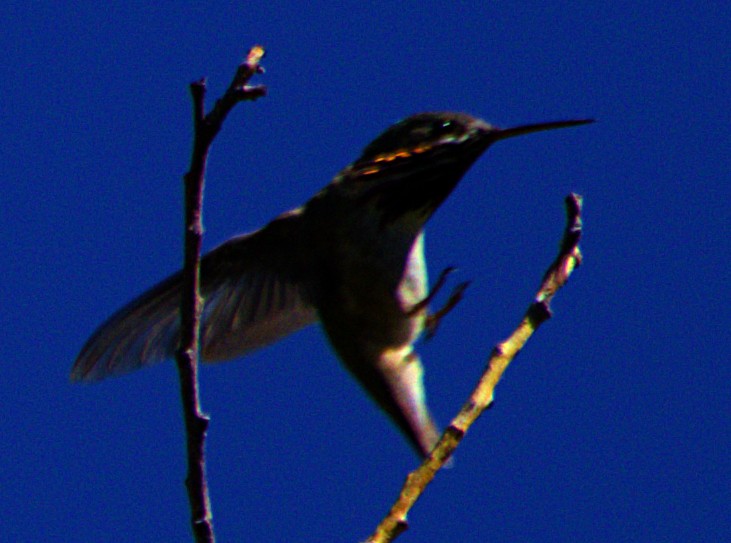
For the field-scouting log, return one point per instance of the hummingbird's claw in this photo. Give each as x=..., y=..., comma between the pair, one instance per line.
x=423, y=304
x=433, y=319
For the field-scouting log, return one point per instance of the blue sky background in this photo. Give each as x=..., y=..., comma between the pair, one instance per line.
x=612, y=425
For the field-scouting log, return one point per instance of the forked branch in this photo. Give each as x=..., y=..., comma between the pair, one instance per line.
x=196, y=423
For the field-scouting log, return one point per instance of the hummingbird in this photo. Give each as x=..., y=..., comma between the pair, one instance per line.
x=351, y=258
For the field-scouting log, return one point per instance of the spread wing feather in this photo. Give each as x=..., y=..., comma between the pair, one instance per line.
x=254, y=291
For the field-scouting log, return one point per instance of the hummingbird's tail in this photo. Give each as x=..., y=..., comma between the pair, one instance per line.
x=404, y=398
x=394, y=379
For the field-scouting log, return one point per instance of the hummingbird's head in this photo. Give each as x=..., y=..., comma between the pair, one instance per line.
x=423, y=133
x=415, y=164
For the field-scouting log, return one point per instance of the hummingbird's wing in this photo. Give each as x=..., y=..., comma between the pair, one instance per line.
x=254, y=289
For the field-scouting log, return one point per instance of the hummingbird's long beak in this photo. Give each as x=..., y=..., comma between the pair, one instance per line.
x=504, y=133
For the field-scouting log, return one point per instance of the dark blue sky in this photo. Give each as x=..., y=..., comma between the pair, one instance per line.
x=612, y=425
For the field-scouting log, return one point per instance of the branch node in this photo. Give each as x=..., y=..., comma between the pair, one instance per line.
x=539, y=312
x=253, y=92
x=456, y=432
x=401, y=527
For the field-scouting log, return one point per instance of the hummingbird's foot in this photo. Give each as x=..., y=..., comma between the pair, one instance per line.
x=423, y=304
x=433, y=319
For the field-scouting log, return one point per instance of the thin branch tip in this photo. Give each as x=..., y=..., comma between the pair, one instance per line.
x=256, y=53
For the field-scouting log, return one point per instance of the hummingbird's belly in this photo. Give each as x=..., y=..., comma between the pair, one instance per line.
x=372, y=303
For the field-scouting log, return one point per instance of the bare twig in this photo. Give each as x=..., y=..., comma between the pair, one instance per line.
x=556, y=276
x=196, y=423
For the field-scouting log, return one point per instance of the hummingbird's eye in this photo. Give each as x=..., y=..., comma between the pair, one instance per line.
x=443, y=128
